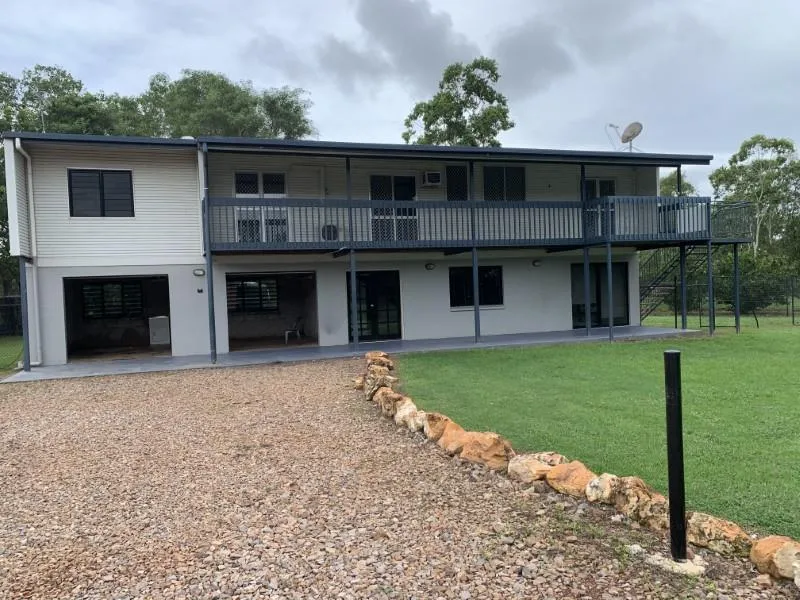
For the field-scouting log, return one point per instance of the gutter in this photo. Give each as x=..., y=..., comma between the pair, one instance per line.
x=32, y=222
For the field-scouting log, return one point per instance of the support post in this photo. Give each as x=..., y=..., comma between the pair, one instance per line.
x=677, y=490
x=212, y=321
x=23, y=300
x=678, y=181
x=737, y=310
x=476, y=314
x=353, y=278
x=710, y=288
x=610, y=284
x=675, y=300
x=791, y=290
x=684, y=292
x=587, y=297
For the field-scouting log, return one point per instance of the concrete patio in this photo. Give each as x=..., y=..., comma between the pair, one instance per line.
x=94, y=368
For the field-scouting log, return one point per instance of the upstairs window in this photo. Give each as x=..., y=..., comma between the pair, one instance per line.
x=505, y=184
x=457, y=183
x=266, y=185
x=600, y=188
x=490, y=286
x=99, y=193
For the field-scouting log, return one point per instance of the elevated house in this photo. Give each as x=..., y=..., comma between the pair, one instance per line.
x=212, y=245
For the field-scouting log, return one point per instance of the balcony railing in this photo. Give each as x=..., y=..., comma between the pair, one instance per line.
x=239, y=224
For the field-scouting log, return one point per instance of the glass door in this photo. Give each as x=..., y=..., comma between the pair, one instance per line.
x=378, y=305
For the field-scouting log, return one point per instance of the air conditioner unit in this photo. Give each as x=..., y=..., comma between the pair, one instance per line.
x=432, y=178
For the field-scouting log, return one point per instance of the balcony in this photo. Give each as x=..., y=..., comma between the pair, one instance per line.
x=252, y=225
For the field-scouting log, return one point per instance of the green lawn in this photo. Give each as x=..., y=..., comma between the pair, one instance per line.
x=604, y=404
x=10, y=353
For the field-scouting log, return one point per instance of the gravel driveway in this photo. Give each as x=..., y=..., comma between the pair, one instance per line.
x=280, y=482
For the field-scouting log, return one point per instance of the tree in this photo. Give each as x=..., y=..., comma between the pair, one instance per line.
x=765, y=172
x=466, y=111
x=668, y=185
x=207, y=103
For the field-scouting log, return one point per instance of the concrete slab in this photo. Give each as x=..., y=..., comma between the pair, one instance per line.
x=122, y=366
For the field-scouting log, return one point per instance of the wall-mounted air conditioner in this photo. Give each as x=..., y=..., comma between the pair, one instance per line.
x=432, y=178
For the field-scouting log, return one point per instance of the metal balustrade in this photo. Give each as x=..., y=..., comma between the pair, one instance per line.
x=246, y=224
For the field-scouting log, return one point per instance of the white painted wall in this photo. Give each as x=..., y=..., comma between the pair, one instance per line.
x=166, y=227
x=187, y=298
x=535, y=298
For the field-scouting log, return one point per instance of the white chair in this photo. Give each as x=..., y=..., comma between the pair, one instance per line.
x=296, y=329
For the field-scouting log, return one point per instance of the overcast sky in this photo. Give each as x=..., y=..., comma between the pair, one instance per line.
x=702, y=75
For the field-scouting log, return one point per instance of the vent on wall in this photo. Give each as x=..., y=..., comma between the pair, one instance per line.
x=330, y=233
x=432, y=178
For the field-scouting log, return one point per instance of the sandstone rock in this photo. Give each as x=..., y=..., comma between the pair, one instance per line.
x=358, y=382
x=527, y=469
x=377, y=377
x=381, y=362
x=375, y=354
x=636, y=500
x=550, y=458
x=487, y=449
x=719, y=535
x=403, y=410
x=416, y=420
x=602, y=489
x=570, y=478
x=453, y=438
x=388, y=400
x=777, y=555
x=434, y=425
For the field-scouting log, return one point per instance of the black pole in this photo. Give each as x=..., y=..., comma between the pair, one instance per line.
x=678, y=181
x=476, y=304
x=353, y=280
x=212, y=320
x=675, y=299
x=791, y=289
x=23, y=305
x=684, y=294
x=587, y=297
x=610, y=284
x=710, y=288
x=737, y=310
x=677, y=491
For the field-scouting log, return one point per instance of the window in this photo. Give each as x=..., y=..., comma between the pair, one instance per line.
x=267, y=185
x=504, y=184
x=112, y=300
x=457, y=183
x=600, y=188
x=252, y=294
x=97, y=193
x=490, y=286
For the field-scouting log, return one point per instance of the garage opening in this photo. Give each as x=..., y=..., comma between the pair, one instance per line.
x=271, y=310
x=117, y=316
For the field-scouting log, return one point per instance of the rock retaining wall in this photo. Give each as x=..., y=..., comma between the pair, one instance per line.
x=777, y=556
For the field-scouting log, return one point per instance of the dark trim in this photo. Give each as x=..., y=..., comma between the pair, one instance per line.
x=737, y=310
x=362, y=150
x=353, y=267
x=212, y=321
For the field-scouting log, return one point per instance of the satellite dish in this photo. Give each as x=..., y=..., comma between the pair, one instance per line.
x=630, y=133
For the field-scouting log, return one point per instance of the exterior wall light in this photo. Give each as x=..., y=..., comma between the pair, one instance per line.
x=430, y=266
x=199, y=272
x=537, y=263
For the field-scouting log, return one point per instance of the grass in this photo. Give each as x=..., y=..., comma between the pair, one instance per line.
x=10, y=353
x=604, y=404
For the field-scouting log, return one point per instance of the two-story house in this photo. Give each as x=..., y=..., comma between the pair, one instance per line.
x=217, y=244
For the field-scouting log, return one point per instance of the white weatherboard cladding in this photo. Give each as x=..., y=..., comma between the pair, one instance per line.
x=23, y=212
x=166, y=227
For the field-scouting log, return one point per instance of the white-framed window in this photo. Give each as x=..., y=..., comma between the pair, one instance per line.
x=251, y=184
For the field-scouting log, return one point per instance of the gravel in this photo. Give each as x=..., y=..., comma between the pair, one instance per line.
x=280, y=482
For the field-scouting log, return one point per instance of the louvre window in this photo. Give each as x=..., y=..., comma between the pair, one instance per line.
x=98, y=193
x=252, y=294
x=504, y=184
x=490, y=286
x=112, y=300
x=268, y=185
x=246, y=184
